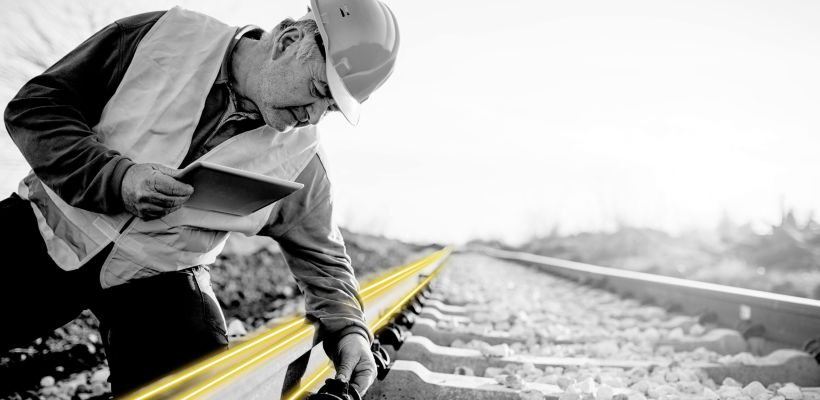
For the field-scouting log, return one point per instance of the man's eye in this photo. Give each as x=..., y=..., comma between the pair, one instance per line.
x=320, y=89
x=316, y=90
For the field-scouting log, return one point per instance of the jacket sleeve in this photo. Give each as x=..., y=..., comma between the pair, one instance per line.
x=51, y=117
x=315, y=252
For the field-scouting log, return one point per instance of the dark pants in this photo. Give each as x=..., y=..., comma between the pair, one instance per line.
x=150, y=327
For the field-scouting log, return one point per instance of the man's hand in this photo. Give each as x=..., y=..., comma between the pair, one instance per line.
x=151, y=191
x=354, y=362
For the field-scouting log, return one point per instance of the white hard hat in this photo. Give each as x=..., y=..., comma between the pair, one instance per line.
x=361, y=40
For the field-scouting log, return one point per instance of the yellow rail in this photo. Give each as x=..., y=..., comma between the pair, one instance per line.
x=375, y=326
x=207, y=375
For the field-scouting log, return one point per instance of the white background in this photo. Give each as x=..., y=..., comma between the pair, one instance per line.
x=505, y=119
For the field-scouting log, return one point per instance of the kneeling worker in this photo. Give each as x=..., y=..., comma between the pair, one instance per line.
x=100, y=223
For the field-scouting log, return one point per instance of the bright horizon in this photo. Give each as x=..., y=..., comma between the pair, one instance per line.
x=505, y=119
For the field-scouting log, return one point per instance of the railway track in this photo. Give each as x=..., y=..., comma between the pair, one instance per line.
x=502, y=325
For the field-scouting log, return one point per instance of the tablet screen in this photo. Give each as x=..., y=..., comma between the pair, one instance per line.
x=232, y=191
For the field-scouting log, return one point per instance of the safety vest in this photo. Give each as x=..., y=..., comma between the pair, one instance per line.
x=151, y=118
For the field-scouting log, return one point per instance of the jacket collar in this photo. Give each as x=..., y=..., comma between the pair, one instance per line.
x=225, y=70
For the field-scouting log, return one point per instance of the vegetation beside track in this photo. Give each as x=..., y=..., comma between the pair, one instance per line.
x=784, y=258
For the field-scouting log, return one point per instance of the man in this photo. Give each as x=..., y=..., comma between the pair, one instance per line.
x=100, y=222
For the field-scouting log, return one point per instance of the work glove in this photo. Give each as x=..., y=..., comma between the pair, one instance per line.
x=151, y=191
x=354, y=361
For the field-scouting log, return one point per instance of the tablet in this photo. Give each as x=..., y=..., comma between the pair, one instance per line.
x=232, y=191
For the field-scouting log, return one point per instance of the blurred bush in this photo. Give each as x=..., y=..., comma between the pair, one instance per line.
x=784, y=260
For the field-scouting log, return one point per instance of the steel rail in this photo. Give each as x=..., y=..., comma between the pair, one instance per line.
x=786, y=320
x=266, y=365
x=313, y=381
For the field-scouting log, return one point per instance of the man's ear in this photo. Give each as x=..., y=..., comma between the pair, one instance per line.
x=285, y=38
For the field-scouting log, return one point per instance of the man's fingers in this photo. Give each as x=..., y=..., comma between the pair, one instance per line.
x=169, y=186
x=150, y=191
x=166, y=202
x=173, y=173
x=354, y=361
x=363, y=379
x=172, y=209
x=357, y=368
x=150, y=211
x=344, y=370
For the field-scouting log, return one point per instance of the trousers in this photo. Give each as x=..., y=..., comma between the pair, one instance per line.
x=149, y=327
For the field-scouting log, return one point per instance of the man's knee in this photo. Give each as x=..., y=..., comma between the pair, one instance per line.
x=157, y=325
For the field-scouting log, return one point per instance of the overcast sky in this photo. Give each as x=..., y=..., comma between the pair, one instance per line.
x=504, y=119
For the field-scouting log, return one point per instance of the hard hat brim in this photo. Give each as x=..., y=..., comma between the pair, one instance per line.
x=347, y=104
